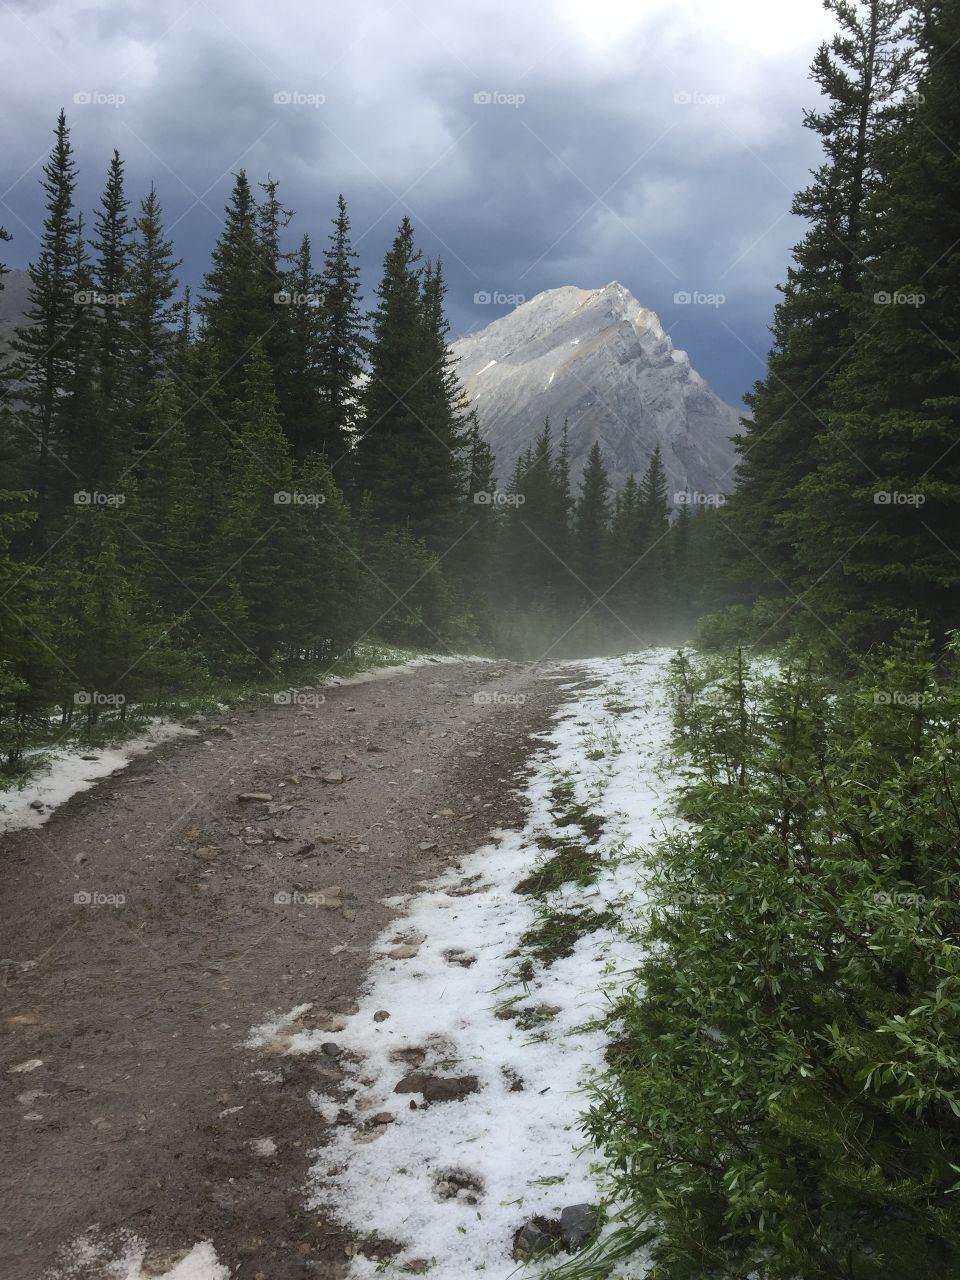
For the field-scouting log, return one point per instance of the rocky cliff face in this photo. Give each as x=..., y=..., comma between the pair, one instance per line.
x=600, y=360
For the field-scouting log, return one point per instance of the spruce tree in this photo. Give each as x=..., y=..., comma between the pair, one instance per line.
x=592, y=526
x=877, y=529
x=341, y=344
x=299, y=389
x=111, y=247
x=860, y=74
x=409, y=455
x=237, y=307
x=150, y=311
x=44, y=355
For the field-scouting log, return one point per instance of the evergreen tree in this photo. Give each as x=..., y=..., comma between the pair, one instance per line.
x=409, y=457
x=44, y=352
x=341, y=343
x=300, y=388
x=592, y=526
x=112, y=346
x=860, y=74
x=260, y=534
x=150, y=311
x=878, y=522
x=237, y=309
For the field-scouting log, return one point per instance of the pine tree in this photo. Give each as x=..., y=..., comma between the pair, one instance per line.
x=237, y=309
x=44, y=359
x=112, y=346
x=860, y=73
x=592, y=526
x=300, y=389
x=877, y=528
x=260, y=534
x=389, y=427
x=409, y=456
x=150, y=311
x=341, y=343
x=272, y=218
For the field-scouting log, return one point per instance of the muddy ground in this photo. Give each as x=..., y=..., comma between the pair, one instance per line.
x=141, y=937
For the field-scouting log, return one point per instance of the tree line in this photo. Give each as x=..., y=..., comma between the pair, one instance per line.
x=247, y=483
x=844, y=519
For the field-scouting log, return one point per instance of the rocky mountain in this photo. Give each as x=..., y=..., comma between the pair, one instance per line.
x=601, y=361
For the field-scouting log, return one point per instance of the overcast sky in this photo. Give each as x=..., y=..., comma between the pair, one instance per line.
x=534, y=143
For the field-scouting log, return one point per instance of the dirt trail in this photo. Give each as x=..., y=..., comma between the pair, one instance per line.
x=144, y=1113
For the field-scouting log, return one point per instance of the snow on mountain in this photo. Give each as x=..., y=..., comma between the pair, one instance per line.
x=600, y=360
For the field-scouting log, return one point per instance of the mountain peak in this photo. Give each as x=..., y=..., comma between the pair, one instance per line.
x=601, y=361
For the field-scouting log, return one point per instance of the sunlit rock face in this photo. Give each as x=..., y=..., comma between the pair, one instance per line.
x=599, y=360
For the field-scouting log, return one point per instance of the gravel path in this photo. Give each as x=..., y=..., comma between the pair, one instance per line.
x=205, y=915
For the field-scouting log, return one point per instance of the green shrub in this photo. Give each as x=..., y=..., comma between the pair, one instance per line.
x=784, y=1100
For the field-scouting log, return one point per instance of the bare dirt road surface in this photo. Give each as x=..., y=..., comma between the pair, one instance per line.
x=157, y=917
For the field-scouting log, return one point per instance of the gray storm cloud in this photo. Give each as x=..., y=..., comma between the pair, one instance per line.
x=533, y=146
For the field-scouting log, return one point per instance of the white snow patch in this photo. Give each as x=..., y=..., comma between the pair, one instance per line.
x=121, y=1258
x=516, y=1140
x=66, y=774
x=486, y=367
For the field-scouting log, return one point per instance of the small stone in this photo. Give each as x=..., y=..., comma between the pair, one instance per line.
x=331, y=1049
x=305, y=849
x=578, y=1223
x=532, y=1240
x=30, y=1065
x=438, y=1088
x=402, y=953
x=334, y=776
x=383, y=1117
x=262, y=796
x=427, y=845
x=381, y=1015
x=349, y=914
